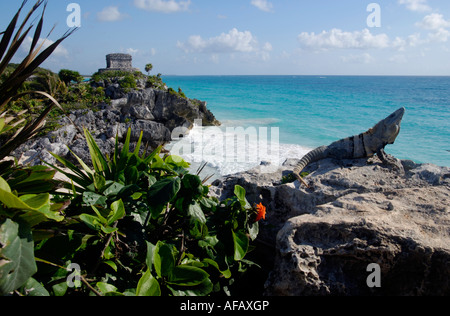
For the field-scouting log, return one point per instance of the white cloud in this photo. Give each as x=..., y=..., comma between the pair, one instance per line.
x=166, y=6
x=263, y=5
x=416, y=5
x=233, y=41
x=110, y=14
x=60, y=51
x=132, y=51
x=434, y=21
x=338, y=39
x=438, y=27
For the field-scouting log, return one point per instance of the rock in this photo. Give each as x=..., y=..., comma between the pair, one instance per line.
x=155, y=112
x=356, y=213
x=153, y=133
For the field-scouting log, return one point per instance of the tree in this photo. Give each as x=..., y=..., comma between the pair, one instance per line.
x=148, y=68
x=68, y=76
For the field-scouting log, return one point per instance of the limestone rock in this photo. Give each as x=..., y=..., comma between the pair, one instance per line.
x=356, y=213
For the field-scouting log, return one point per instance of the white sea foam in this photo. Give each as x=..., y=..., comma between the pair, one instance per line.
x=228, y=150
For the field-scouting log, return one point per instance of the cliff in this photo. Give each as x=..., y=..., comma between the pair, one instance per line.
x=323, y=240
x=156, y=112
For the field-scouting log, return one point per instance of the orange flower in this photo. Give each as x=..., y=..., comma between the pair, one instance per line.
x=261, y=209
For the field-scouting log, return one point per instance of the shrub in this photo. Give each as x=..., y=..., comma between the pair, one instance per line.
x=68, y=76
x=128, y=82
x=134, y=225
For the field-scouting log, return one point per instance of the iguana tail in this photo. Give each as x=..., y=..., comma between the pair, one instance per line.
x=315, y=155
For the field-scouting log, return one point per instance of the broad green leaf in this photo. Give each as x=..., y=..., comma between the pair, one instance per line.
x=4, y=185
x=92, y=222
x=112, y=264
x=196, y=213
x=163, y=191
x=109, y=230
x=186, y=275
x=17, y=262
x=117, y=212
x=148, y=286
x=163, y=259
x=91, y=198
x=150, y=254
x=105, y=287
x=241, y=243
x=240, y=193
x=34, y=288
x=12, y=201
x=113, y=189
x=176, y=161
x=203, y=289
x=36, y=201
x=226, y=273
x=191, y=181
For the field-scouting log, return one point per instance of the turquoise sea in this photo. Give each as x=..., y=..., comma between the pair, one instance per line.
x=312, y=111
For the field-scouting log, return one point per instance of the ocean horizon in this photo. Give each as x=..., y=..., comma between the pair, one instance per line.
x=312, y=111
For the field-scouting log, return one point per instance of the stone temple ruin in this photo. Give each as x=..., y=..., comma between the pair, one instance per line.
x=119, y=62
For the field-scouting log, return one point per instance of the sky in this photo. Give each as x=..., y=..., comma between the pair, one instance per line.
x=251, y=37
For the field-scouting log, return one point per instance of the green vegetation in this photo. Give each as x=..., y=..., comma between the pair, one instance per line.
x=148, y=68
x=69, y=76
x=111, y=75
x=133, y=224
x=13, y=78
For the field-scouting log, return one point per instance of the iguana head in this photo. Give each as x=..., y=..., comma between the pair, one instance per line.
x=388, y=129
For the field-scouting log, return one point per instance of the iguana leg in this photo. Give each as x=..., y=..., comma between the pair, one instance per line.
x=390, y=160
x=299, y=178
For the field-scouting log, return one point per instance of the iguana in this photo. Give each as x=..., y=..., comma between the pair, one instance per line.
x=364, y=145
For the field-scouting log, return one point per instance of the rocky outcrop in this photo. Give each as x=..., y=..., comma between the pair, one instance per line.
x=154, y=112
x=355, y=214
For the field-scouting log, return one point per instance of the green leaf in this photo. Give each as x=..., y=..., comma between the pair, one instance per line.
x=161, y=193
x=203, y=289
x=106, y=288
x=191, y=181
x=13, y=202
x=17, y=262
x=109, y=230
x=4, y=185
x=92, y=198
x=34, y=288
x=185, y=275
x=240, y=193
x=92, y=222
x=241, y=244
x=150, y=253
x=163, y=259
x=176, y=161
x=36, y=201
x=148, y=286
x=196, y=213
x=99, y=181
x=98, y=160
x=113, y=189
x=117, y=212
